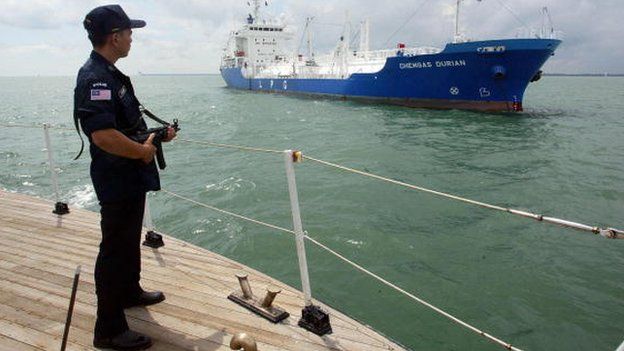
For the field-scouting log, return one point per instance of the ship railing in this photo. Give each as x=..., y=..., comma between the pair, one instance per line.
x=384, y=54
x=291, y=158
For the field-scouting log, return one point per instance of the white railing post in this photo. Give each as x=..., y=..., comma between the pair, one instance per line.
x=152, y=238
x=147, y=216
x=60, y=208
x=48, y=145
x=313, y=318
x=289, y=159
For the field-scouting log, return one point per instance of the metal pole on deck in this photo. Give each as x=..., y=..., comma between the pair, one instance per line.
x=289, y=159
x=152, y=238
x=147, y=216
x=313, y=318
x=60, y=208
x=70, y=310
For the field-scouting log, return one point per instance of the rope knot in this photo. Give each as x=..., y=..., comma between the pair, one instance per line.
x=608, y=233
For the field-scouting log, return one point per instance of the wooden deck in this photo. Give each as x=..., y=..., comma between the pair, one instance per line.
x=39, y=253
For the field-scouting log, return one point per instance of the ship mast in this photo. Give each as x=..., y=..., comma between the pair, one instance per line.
x=309, y=38
x=457, y=37
x=256, y=4
x=365, y=36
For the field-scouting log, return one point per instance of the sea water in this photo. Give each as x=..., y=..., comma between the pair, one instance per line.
x=536, y=285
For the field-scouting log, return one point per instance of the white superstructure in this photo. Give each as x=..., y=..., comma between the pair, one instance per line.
x=261, y=48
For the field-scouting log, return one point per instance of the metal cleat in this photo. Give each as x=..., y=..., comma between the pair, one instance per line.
x=263, y=307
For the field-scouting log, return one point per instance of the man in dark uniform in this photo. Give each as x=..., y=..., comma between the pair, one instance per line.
x=122, y=171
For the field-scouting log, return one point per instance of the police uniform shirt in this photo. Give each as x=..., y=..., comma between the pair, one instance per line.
x=104, y=99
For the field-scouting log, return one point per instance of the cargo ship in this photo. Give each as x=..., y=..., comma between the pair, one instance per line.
x=486, y=75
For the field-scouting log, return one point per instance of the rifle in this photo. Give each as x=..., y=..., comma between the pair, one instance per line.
x=160, y=134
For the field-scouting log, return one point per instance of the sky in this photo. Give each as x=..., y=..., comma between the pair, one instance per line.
x=46, y=37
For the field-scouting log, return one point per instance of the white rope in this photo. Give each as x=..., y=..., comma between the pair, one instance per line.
x=229, y=146
x=17, y=125
x=228, y=212
x=514, y=14
x=358, y=267
x=406, y=22
x=610, y=233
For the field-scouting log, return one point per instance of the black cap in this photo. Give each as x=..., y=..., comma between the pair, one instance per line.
x=109, y=19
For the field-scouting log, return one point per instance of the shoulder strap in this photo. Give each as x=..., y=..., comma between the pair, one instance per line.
x=77, y=124
x=153, y=116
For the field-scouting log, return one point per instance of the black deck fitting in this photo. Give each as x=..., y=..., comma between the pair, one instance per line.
x=315, y=320
x=61, y=208
x=153, y=239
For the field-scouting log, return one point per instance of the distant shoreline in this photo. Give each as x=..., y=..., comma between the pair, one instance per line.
x=545, y=74
x=597, y=75
x=177, y=74
x=583, y=75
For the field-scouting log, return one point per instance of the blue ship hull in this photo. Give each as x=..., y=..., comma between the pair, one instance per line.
x=485, y=75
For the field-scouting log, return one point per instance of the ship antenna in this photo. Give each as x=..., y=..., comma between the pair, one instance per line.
x=256, y=5
x=309, y=38
x=456, y=39
x=550, y=22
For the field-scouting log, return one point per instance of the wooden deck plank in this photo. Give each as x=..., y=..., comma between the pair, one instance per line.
x=53, y=297
x=218, y=278
x=8, y=344
x=38, y=253
x=241, y=320
x=172, y=278
x=34, y=337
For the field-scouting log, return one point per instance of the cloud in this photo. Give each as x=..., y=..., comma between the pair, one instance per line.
x=188, y=35
x=43, y=14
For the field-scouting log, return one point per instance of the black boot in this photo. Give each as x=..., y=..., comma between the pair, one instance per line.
x=128, y=340
x=145, y=298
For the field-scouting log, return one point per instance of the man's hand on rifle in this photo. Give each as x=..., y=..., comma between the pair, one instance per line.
x=171, y=134
x=149, y=150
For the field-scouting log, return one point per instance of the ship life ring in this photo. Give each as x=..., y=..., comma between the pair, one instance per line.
x=285, y=85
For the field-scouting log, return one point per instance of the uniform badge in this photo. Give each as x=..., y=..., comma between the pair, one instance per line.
x=100, y=94
x=122, y=91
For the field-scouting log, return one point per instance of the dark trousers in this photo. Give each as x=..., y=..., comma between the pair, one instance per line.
x=118, y=265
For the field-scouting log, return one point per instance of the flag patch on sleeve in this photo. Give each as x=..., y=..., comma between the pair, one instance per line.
x=100, y=94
